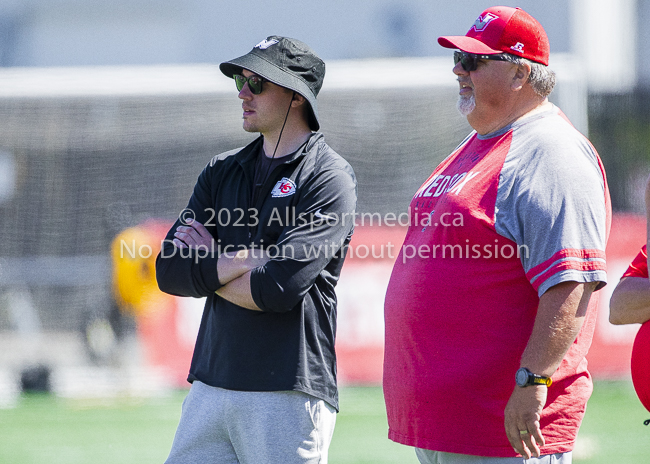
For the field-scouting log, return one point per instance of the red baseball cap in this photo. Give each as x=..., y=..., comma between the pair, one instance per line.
x=641, y=364
x=503, y=29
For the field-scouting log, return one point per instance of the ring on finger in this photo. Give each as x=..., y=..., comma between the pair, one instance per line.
x=523, y=432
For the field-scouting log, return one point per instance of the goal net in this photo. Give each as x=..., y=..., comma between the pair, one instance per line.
x=88, y=152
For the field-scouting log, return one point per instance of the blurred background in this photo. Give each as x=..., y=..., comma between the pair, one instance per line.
x=110, y=109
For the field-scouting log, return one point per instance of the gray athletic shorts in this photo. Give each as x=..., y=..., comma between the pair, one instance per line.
x=438, y=457
x=234, y=427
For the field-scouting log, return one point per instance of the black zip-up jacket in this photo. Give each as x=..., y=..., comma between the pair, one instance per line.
x=305, y=216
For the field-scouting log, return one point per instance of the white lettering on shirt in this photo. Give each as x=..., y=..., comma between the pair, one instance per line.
x=458, y=186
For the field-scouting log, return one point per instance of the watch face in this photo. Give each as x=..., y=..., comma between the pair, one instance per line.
x=521, y=377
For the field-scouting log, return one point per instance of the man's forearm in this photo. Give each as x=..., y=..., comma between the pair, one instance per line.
x=232, y=265
x=185, y=276
x=238, y=291
x=560, y=315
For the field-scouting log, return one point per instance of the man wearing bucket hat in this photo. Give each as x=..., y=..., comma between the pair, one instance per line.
x=264, y=237
x=488, y=320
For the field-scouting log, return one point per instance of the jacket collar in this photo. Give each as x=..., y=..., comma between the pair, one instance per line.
x=250, y=151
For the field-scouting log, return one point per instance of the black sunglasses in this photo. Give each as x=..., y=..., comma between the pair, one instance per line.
x=254, y=83
x=469, y=61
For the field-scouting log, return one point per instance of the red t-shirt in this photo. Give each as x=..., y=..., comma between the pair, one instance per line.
x=501, y=220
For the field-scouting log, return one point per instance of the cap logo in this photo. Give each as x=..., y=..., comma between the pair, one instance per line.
x=518, y=47
x=283, y=188
x=482, y=21
x=264, y=44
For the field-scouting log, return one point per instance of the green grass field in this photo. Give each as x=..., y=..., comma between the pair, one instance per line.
x=46, y=429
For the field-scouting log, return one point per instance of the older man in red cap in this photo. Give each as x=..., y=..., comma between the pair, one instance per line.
x=489, y=316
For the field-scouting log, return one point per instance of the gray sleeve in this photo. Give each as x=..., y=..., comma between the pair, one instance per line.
x=551, y=201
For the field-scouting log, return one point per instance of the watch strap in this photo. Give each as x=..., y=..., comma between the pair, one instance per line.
x=535, y=379
x=531, y=379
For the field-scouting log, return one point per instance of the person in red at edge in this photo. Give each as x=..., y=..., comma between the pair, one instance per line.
x=630, y=302
x=482, y=312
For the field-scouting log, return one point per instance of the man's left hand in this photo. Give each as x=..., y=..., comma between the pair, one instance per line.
x=522, y=415
x=193, y=235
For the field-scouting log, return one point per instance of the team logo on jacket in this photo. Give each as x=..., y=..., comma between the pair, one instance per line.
x=283, y=188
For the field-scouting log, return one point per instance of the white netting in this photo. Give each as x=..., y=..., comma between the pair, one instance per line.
x=85, y=153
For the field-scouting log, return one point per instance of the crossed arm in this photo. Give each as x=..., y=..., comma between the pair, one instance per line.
x=234, y=269
x=560, y=315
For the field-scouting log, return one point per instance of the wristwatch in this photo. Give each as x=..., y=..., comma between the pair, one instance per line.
x=524, y=378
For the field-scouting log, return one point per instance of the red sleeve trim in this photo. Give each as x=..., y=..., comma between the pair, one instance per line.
x=574, y=259
x=639, y=266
